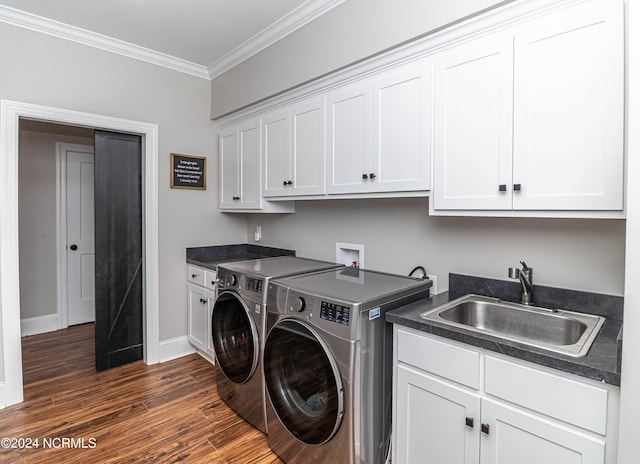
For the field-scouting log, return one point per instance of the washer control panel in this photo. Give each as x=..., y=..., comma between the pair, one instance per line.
x=253, y=285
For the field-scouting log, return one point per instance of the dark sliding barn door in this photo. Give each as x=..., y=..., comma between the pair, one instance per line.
x=118, y=249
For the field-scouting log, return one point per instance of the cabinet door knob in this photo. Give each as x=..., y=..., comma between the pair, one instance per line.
x=73, y=247
x=193, y=276
x=365, y=176
x=203, y=301
x=485, y=428
x=290, y=182
x=502, y=188
x=284, y=182
x=372, y=176
x=517, y=187
x=469, y=421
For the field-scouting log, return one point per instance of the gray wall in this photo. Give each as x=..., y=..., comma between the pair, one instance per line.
x=37, y=216
x=348, y=33
x=40, y=69
x=398, y=235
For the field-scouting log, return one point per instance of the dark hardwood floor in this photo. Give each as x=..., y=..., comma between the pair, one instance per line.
x=135, y=413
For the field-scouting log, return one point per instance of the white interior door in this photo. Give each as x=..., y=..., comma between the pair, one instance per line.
x=80, y=238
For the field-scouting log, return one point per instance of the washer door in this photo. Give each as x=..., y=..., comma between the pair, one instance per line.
x=235, y=338
x=303, y=382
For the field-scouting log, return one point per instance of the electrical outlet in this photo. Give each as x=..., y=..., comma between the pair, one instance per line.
x=434, y=289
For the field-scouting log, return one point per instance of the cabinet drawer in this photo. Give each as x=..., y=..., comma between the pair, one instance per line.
x=565, y=399
x=196, y=275
x=210, y=279
x=450, y=361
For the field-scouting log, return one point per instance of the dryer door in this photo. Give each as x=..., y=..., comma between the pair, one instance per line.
x=303, y=382
x=235, y=338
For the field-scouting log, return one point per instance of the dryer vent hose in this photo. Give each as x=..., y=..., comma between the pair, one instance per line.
x=419, y=268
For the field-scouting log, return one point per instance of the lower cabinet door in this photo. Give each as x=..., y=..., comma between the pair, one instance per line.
x=518, y=436
x=198, y=304
x=436, y=422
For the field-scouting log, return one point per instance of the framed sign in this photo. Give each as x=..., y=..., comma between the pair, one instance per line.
x=188, y=172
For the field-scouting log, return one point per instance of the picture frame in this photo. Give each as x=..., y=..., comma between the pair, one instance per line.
x=188, y=172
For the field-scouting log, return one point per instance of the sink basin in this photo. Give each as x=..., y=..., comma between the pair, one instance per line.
x=566, y=332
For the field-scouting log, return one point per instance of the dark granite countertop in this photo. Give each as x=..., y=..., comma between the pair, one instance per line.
x=600, y=363
x=209, y=257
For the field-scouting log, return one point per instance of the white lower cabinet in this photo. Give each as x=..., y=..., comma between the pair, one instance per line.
x=453, y=408
x=201, y=289
x=430, y=426
x=524, y=437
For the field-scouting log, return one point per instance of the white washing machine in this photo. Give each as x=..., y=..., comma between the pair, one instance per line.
x=238, y=326
x=328, y=364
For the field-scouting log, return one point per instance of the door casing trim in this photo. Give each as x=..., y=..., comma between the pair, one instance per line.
x=10, y=114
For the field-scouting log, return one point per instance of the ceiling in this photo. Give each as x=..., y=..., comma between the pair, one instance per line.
x=201, y=37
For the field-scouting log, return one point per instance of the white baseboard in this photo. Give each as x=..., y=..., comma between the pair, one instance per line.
x=207, y=357
x=3, y=399
x=174, y=348
x=38, y=325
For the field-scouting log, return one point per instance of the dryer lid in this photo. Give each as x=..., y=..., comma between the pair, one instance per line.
x=355, y=285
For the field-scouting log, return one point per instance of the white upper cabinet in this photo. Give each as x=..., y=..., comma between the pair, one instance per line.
x=568, y=108
x=472, y=125
x=249, y=194
x=516, y=112
x=240, y=166
x=349, y=139
x=294, y=158
x=378, y=133
x=241, y=170
x=307, y=164
x=275, y=132
x=401, y=152
x=530, y=119
x=229, y=168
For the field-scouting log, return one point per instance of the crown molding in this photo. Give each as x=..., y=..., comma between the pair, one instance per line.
x=288, y=24
x=285, y=26
x=103, y=42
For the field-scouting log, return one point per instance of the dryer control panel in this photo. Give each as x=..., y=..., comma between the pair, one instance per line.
x=335, y=313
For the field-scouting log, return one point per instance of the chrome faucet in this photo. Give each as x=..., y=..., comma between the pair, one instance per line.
x=526, y=280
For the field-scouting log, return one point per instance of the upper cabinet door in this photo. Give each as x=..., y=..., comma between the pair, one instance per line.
x=307, y=147
x=473, y=105
x=569, y=109
x=349, y=140
x=401, y=154
x=250, y=187
x=229, y=168
x=275, y=131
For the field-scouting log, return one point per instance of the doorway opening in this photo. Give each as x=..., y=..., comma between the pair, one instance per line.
x=11, y=113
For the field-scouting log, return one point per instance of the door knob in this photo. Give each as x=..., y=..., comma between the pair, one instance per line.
x=74, y=247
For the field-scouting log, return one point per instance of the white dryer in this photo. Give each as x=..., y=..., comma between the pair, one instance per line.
x=238, y=326
x=328, y=364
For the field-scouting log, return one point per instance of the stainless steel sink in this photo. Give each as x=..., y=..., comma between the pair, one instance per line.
x=567, y=332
